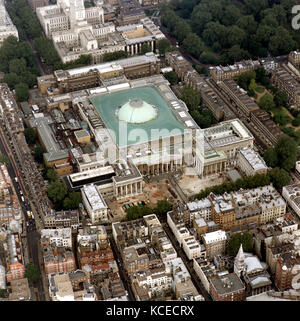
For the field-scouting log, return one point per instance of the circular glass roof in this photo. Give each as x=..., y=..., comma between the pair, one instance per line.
x=136, y=111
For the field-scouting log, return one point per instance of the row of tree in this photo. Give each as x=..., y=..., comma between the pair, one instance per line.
x=135, y=212
x=277, y=176
x=224, y=31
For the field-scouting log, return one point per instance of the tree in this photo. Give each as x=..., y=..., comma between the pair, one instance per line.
x=30, y=135
x=270, y=157
x=279, y=177
x=199, y=19
x=163, y=45
x=182, y=30
x=11, y=79
x=281, y=42
x=22, y=91
x=72, y=201
x=287, y=152
x=17, y=66
x=281, y=98
x=32, y=273
x=266, y=102
x=3, y=293
x=193, y=44
x=203, y=118
x=171, y=76
x=111, y=56
x=208, y=58
x=191, y=97
x=162, y=207
x=246, y=239
x=38, y=154
x=4, y=160
x=248, y=24
x=231, y=15
x=235, y=36
x=145, y=48
x=57, y=190
x=135, y=212
x=236, y=53
x=52, y=175
x=245, y=78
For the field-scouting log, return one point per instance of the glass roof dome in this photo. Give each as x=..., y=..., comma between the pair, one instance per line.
x=136, y=111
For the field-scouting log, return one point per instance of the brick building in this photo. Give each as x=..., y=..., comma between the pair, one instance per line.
x=284, y=271
x=227, y=287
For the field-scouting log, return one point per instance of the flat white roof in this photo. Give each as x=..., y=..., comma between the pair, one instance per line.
x=119, y=86
x=189, y=123
x=94, y=197
x=240, y=129
x=91, y=173
x=214, y=236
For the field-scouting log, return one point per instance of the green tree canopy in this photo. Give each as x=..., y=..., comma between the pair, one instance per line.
x=163, y=45
x=32, y=273
x=193, y=44
x=245, y=78
x=287, y=152
x=4, y=160
x=162, y=207
x=171, y=76
x=57, y=190
x=270, y=157
x=234, y=243
x=279, y=177
x=72, y=201
x=191, y=97
x=266, y=102
x=145, y=48
x=111, y=56
x=52, y=175
x=22, y=91
x=38, y=154
x=281, y=98
x=135, y=212
x=30, y=135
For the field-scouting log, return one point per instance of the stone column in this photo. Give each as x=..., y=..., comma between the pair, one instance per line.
x=131, y=189
x=152, y=45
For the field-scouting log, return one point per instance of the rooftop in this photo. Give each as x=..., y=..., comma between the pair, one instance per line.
x=227, y=284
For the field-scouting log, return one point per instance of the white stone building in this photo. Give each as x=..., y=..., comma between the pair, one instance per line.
x=76, y=30
x=201, y=207
x=177, y=227
x=60, y=236
x=94, y=204
x=7, y=28
x=192, y=248
x=215, y=243
x=250, y=162
x=292, y=195
x=271, y=203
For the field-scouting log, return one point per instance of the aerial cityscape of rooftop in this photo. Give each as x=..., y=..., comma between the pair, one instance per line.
x=149, y=151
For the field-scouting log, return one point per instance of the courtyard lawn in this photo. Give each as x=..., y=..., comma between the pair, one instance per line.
x=259, y=89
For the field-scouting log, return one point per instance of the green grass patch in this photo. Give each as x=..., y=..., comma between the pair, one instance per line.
x=259, y=89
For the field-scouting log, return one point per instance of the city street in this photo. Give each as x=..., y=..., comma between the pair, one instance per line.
x=33, y=236
x=189, y=264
